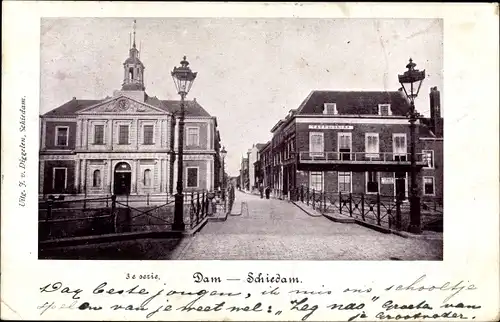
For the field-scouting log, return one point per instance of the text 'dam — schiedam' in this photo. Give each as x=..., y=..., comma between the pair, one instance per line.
x=147, y=295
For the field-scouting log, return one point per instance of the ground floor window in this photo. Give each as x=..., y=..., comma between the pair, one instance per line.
x=429, y=186
x=372, y=182
x=147, y=178
x=59, y=179
x=96, y=180
x=192, y=177
x=344, y=181
x=316, y=181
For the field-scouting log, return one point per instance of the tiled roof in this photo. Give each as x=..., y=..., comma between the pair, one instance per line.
x=69, y=109
x=355, y=102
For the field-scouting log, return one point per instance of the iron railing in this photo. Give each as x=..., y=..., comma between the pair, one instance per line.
x=376, y=209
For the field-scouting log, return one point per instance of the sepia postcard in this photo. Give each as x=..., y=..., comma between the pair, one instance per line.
x=265, y=162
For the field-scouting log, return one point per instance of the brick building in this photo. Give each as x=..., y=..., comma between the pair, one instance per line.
x=127, y=143
x=355, y=142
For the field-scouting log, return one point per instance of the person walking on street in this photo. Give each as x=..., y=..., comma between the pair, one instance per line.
x=268, y=191
x=261, y=190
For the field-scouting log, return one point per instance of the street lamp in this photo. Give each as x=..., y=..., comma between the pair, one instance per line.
x=413, y=78
x=223, y=154
x=183, y=79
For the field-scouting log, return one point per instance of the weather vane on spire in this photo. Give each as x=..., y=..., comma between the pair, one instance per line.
x=134, y=32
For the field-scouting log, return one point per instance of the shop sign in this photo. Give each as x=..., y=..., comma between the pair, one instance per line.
x=330, y=127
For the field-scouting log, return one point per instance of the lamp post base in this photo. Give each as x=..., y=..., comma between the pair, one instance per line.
x=179, y=212
x=415, y=226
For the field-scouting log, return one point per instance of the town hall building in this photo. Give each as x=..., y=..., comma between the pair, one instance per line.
x=127, y=143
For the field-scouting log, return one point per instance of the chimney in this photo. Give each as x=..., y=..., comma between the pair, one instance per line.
x=435, y=104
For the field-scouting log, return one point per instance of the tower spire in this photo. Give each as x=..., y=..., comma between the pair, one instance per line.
x=134, y=32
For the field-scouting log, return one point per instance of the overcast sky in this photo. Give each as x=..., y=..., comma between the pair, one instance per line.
x=251, y=72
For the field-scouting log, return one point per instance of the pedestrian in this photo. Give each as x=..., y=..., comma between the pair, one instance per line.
x=261, y=190
x=268, y=191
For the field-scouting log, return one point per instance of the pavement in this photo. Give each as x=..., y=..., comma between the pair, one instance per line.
x=273, y=229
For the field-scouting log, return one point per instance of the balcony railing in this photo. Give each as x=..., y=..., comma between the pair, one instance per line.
x=364, y=157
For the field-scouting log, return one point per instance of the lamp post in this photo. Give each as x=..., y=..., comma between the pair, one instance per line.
x=413, y=78
x=183, y=79
x=223, y=154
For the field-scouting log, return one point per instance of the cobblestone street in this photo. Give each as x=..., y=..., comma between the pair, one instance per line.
x=276, y=229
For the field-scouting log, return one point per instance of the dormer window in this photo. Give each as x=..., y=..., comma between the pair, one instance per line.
x=330, y=109
x=384, y=109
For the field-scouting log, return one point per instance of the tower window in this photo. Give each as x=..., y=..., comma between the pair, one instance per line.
x=131, y=73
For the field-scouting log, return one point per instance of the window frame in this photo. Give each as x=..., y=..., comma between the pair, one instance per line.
x=366, y=182
x=93, y=179
x=103, y=134
x=56, y=140
x=433, y=186
x=197, y=128
x=54, y=177
x=144, y=134
x=338, y=181
x=389, y=112
x=322, y=173
x=119, y=134
x=197, y=177
x=432, y=159
x=144, y=183
x=315, y=153
x=369, y=154
x=325, y=108
x=394, y=152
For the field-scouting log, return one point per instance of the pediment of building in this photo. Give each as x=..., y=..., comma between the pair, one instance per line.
x=121, y=105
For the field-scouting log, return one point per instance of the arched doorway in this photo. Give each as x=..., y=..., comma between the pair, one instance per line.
x=122, y=178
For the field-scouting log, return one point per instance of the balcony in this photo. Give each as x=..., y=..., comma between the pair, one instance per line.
x=357, y=161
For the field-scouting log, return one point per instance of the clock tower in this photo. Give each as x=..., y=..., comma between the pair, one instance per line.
x=133, y=74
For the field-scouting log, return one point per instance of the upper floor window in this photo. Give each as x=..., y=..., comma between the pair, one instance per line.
x=193, y=136
x=428, y=158
x=62, y=133
x=148, y=134
x=384, y=109
x=99, y=134
x=399, y=146
x=371, y=145
x=316, y=143
x=123, y=134
x=330, y=108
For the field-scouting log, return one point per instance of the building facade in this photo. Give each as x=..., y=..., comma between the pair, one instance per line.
x=357, y=142
x=126, y=143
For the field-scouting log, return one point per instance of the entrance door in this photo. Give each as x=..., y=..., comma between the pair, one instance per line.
x=400, y=185
x=122, y=178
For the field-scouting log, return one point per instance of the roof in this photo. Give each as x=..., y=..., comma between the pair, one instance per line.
x=70, y=108
x=260, y=146
x=355, y=102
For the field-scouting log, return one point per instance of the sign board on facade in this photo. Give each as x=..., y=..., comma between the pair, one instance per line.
x=387, y=180
x=330, y=127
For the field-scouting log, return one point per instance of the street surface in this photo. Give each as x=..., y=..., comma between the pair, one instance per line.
x=276, y=229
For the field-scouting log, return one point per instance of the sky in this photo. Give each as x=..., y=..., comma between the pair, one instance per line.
x=251, y=72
